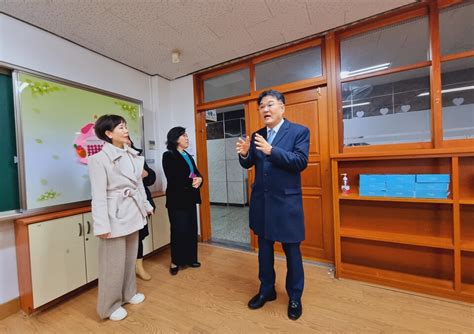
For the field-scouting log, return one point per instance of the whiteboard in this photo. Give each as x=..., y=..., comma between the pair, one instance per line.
x=56, y=135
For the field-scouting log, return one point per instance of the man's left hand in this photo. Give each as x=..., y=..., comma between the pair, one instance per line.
x=262, y=145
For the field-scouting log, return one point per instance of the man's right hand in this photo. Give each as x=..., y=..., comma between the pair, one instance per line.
x=243, y=146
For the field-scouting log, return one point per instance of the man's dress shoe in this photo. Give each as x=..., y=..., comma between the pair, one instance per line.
x=295, y=309
x=259, y=300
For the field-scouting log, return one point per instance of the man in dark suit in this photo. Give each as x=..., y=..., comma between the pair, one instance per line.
x=279, y=153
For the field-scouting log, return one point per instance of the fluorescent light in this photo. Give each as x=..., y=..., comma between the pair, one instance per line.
x=365, y=70
x=449, y=90
x=355, y=105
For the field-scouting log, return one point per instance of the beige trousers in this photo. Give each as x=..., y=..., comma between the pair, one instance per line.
x=117, y=282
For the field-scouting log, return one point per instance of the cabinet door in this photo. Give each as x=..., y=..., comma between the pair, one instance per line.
x=161, y=224
x=57, y=258
x=148, y=241
x=91, y=243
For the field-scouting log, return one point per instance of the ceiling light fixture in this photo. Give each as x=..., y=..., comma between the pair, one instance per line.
x=356, y=105
x=345, y=74
x=175, y=54
x=449, y=90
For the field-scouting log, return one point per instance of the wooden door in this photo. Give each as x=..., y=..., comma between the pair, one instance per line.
x=57, y=258
x=309, y=108
x=91, y=243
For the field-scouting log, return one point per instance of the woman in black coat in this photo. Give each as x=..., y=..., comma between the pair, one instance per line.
x=182, y=195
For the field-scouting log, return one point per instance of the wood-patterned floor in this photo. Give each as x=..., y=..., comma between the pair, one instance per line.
x=213, y=299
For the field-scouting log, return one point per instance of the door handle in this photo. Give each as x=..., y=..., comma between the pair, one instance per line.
x=88, y=227
x=80, y=229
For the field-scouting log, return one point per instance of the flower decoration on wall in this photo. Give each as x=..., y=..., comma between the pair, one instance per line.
x=48, y=195
x=41, y=88
x=131, y=110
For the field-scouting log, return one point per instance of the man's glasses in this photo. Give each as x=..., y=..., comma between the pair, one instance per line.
x=270, y=105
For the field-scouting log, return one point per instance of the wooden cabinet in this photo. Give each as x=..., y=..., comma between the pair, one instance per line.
x=91, y=245
x=56, y=254
x=57, y=263
x=158, y=227
x=424, y=245
x=148, y=241
x=160, y=224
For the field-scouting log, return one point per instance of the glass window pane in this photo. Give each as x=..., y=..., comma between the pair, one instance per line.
x=457, y=28
x=457, y=79
x=232, y=128
x=391, y=46
x=388, y=109
x=227, y=85
x=289, y=68
x=214, y=130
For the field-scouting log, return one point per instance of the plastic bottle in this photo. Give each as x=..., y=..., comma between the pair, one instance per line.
x=345, y=188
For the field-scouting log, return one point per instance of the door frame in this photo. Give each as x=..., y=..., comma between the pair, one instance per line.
x=201, y=148
x=252, y=123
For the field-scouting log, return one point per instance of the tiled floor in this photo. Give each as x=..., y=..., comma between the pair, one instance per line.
x=230, y=224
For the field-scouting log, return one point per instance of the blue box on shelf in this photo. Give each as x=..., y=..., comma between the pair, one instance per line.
x=400, y=193
x=373, y=186
x=401, y=178
x=433, y=186
x=371, y=178
x=428, y=178
x=400, y=186
x=442, y=194
x=372, y=192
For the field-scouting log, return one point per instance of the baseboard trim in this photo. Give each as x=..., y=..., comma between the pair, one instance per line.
x=9, y=308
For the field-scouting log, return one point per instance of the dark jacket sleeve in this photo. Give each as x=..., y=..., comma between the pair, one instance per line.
x=151, y=178
x=147, y=182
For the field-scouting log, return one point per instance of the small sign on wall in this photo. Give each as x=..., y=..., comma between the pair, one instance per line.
x=211, y=115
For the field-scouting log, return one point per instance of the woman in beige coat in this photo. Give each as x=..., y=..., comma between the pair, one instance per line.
x=119, y=210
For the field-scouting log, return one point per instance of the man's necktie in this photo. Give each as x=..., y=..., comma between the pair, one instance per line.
x=270, y=136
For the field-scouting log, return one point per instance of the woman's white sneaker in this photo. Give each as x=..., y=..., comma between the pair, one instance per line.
x=137, y=299
x=118, y=314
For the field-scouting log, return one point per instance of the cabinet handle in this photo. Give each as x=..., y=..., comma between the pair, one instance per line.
x=80, y=229
x=88, y=227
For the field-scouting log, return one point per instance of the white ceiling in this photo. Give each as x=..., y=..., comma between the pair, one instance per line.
x=142, y=34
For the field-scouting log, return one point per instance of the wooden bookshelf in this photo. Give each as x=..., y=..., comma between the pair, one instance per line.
x=467, y=226
x=422, y=245
x=354, y=195
x=401, y=238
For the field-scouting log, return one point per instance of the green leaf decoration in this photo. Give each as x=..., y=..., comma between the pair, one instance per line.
x=41, y=88
x=48, y=195
x=131, y=110
x=39, y=141
x=55, y=157
x=44, y=182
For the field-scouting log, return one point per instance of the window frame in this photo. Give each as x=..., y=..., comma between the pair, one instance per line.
x=429, y=10
x=450, y=143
